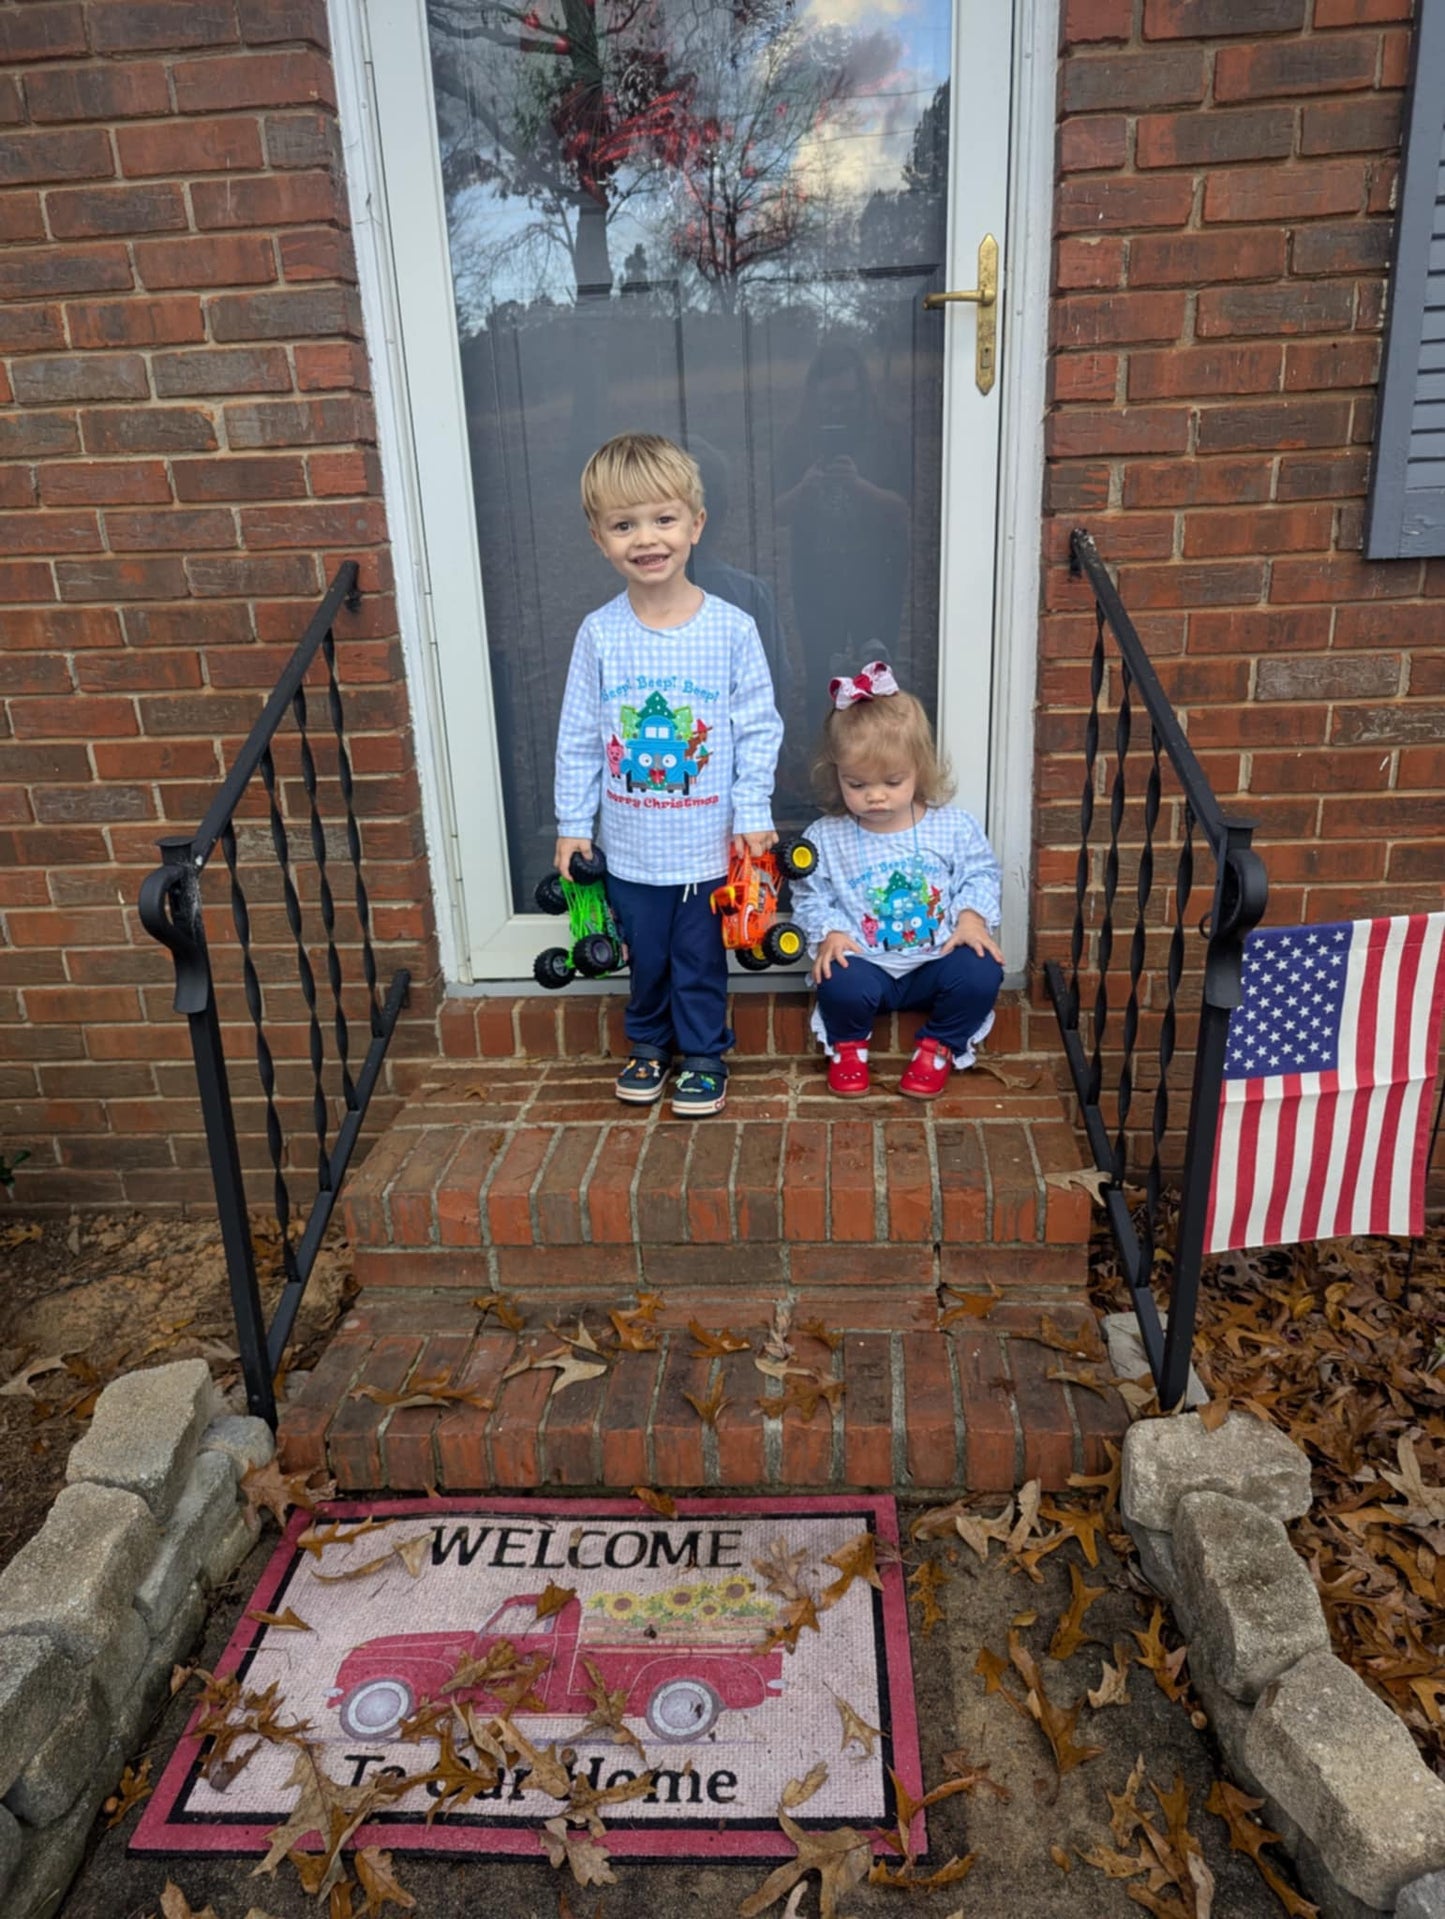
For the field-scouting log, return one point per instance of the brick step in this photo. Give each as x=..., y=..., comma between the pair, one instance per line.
x=585, y=1022
x=531, y=1178
x=971, y=1407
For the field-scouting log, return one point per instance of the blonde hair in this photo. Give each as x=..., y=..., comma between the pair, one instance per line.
x=635, y=467
x=887, y=732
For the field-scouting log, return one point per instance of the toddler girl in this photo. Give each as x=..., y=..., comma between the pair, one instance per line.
x=901, y=910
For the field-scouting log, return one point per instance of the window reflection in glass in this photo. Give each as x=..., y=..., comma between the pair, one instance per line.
x=712, y=221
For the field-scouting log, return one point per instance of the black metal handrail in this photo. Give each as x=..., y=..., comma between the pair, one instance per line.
x=1240, y=893
x=170, y=910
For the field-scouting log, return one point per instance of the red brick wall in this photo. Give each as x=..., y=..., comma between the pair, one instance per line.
x=186, y=454
x=1227, y=172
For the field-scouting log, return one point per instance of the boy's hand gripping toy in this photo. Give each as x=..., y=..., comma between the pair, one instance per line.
x=750, y=901
x=595, y=945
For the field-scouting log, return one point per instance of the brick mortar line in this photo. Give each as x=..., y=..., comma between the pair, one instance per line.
x=960, y=1417
x=484, y=1225
x=1013, y=1406
x=732, y=1192
x=685, y=1219
x=534, y=1212
x=584, y=1205
x=434, y=1224
x=649, y=1444
x=1074, y=1425
x=649, y=1127
x=1041, y=1189
x=711, y=1465
x=898, y=1410
x=935, y=1181
x=987, y=1182
x=880, y=1183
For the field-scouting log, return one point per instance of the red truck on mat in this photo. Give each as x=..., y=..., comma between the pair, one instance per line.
x=679, y=1689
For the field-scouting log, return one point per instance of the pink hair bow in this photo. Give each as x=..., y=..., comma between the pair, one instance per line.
x=875, y=682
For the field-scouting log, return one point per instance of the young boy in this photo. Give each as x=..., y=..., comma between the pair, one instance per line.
x=668, y=724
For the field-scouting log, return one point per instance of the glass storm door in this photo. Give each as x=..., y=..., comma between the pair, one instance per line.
x=717, y=220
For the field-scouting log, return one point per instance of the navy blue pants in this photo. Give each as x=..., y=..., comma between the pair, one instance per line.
x=679, y=967
x=957, y=991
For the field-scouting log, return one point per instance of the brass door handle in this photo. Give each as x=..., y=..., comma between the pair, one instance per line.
x=985, y=297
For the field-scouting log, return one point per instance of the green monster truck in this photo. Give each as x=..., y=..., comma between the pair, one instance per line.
x=595, y=947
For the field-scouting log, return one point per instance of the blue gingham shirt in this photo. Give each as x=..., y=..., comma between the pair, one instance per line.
x=898, y=895
x=673, y=735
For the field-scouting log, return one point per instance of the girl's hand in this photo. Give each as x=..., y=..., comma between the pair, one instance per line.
x=972, y=931
x=753, y=843
x=833, y=952
x=562, y=855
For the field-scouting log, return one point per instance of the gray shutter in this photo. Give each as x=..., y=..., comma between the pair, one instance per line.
x=1406, y=517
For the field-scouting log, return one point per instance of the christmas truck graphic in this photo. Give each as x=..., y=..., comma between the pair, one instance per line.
x=662, y=748
x=682, y=1658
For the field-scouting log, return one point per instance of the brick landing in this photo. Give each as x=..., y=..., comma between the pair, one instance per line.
x=532, y=1179
x=920, y=1411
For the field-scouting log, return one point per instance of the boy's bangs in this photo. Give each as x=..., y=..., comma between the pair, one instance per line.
x=623, y=476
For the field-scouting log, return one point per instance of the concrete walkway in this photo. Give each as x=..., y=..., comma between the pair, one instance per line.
x=1015, y=1876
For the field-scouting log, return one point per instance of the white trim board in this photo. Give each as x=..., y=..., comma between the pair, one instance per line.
x=423, y=513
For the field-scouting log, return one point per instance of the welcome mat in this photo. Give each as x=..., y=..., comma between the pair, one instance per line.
x=613, y=1639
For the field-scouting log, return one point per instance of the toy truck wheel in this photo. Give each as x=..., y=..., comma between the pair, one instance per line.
x=783, y=944
x=588, y=872
x=797, y=857
x=596, y=955
x=549, y=895
x=753, y=959
x=374, y=1709
x=552, y=968
x=683, y=1709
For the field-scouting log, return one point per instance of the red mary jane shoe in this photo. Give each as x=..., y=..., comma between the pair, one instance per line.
x=848, y=1069
x=926, y=1074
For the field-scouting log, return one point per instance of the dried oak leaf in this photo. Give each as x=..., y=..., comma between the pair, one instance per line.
x=856, y=1560
x=1084, y=1526
x=584, y=1801
x=957, y=1765
x=501, y=1309
x=855, y=1727
x=133, y=1790
x=586, y=1857
x=817, y=1329
x=715, y=1345
x=708, y=1406
x=283, y=1621
x=267, y=1488
x=839, y=1857
x=607, y=1710
x=779, y=1569
x=379, y=1882
x=926, y=1581
x=1113, y=1686
x=1056, y=1722
x=175, y=1905
x=1069, y=1634
x=798, y=1616
x=328, y=1809
x=316, y=1539
x=554, y=1599
x=1164, y=1665
x=798, y=1791
x=663, y=1504
x=1246, y=1835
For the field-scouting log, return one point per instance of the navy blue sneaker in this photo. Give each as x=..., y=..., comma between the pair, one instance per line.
x=642, y=1079
x=699, y=1090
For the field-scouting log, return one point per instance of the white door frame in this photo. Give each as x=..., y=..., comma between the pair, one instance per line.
x=429, y=500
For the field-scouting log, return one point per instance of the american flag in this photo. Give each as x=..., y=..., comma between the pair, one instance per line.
x=1324, y=1128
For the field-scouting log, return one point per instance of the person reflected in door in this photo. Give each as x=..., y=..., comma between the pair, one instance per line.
x=669, y=730
x=709, y=570
x=901, y=912
x=842, y=471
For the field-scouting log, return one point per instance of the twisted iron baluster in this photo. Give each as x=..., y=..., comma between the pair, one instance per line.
x=1118, y=793
x=303, y=967
x=265, y=1066
x=1086, y=813
x=1183, y=886
x=328, y=907
x=1138, y=945
x=353, y=832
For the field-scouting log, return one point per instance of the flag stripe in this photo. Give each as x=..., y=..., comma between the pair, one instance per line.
x=1340, y=1148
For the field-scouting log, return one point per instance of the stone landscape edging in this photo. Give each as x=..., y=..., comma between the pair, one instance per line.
x=1344, y=1785
x=101, y=1604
